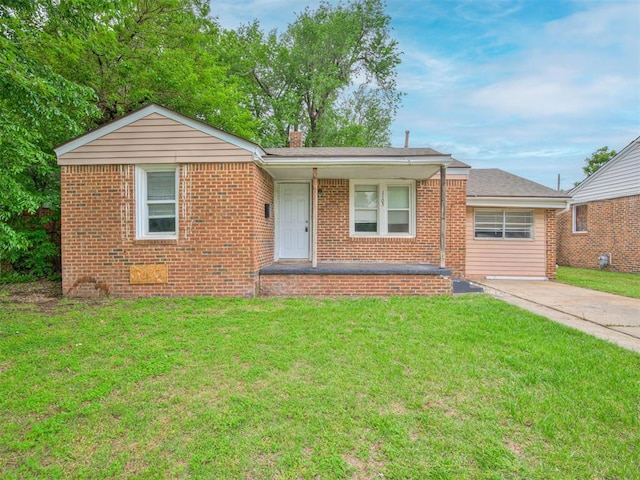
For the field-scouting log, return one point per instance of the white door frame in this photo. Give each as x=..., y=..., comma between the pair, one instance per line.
x=277, y=198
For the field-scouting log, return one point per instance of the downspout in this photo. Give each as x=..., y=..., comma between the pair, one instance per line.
x=443, y=214
x=314, y=224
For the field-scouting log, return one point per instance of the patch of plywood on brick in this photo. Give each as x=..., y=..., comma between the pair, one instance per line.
x=148, y=274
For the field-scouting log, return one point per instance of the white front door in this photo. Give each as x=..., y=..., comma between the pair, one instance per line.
x=293, y=221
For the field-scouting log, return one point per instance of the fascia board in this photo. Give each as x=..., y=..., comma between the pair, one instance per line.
x=459, y=171
x=527, y=202
x=337, y=161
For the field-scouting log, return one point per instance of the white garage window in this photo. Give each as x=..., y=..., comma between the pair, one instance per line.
x=503, y=224
x=157, y=202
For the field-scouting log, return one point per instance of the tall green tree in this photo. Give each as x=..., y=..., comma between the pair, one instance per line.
x=597, y=160
x=38, y=109
x=328, y=62
x=141, y=51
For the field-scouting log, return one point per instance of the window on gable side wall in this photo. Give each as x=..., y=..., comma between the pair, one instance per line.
x=157, y=202
x=580, y=218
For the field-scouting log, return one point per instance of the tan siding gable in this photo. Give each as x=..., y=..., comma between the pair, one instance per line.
x=507, y=258
x=155, y=139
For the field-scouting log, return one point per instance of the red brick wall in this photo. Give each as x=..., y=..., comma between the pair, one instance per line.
x=335, y=244
x=613, y=227
x=550, y=245
x=221, y=240
x=224, y=237
x=263, y=233
x=354, y=285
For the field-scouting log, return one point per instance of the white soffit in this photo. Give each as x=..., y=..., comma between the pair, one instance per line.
x=415, y=168
x=346, y=171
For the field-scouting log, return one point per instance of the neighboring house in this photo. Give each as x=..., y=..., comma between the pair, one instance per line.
x=159, y=204
x=511, y=227
x=601, y=229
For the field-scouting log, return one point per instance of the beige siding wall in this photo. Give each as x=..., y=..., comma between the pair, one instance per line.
x=155, y=139
x=507, y=258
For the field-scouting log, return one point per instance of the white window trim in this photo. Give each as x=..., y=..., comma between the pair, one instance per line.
x=382, y=209
x=574, y=218
x=141, y=202
x=503, y=238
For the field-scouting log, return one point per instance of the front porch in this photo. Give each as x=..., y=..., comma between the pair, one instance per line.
x=354, y=279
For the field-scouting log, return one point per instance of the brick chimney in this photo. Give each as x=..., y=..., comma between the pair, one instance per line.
x=295, y=139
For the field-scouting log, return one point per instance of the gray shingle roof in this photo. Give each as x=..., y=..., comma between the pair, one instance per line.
x=493, y=182
x=355, y=152
x=351, y=152
x=458, y=164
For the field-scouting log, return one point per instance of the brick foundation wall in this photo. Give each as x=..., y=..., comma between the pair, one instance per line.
x=613, y=227
x=335, y=244
x=354, y=285
x=221, y=241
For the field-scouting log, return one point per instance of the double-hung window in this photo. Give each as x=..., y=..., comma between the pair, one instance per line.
x=504, y=224
x=382, y=208
x=157, y=202
x=580, y=218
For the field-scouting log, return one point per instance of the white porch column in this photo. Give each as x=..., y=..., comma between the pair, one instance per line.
x=314, y=216
x=443, y=215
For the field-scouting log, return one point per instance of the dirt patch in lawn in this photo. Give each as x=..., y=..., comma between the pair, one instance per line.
x=44, y=294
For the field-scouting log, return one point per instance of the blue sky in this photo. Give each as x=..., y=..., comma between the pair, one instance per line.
x=529, y=86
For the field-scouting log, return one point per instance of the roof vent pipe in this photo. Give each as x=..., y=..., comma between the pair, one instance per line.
x=406, y=138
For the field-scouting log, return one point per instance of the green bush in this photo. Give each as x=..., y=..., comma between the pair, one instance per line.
x=41, y=258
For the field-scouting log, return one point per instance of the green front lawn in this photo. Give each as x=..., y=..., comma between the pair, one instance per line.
x=449, y=387
x=626, y=284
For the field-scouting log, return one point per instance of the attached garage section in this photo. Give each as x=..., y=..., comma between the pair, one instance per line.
x=510, y=226
x=506, y=252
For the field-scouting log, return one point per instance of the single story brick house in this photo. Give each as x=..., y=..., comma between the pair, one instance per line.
x=159, y=204
x=601, y=227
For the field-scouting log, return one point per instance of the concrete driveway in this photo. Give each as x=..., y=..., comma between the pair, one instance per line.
x=606, y=316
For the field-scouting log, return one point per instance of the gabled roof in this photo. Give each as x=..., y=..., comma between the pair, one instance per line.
x=145, y=112
x=619, y=177
x=281, y=163
x=495, y=187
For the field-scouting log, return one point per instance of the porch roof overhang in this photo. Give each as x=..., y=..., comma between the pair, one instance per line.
x=400, y=167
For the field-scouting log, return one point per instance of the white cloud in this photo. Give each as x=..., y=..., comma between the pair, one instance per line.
x=546, y=94
x=487, y=10
x=422, y=71
x=572, y=68
x=559, y=92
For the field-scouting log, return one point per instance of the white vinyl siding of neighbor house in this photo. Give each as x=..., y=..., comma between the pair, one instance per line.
x=156, y=139
x=506, y=257
x=620, y=177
